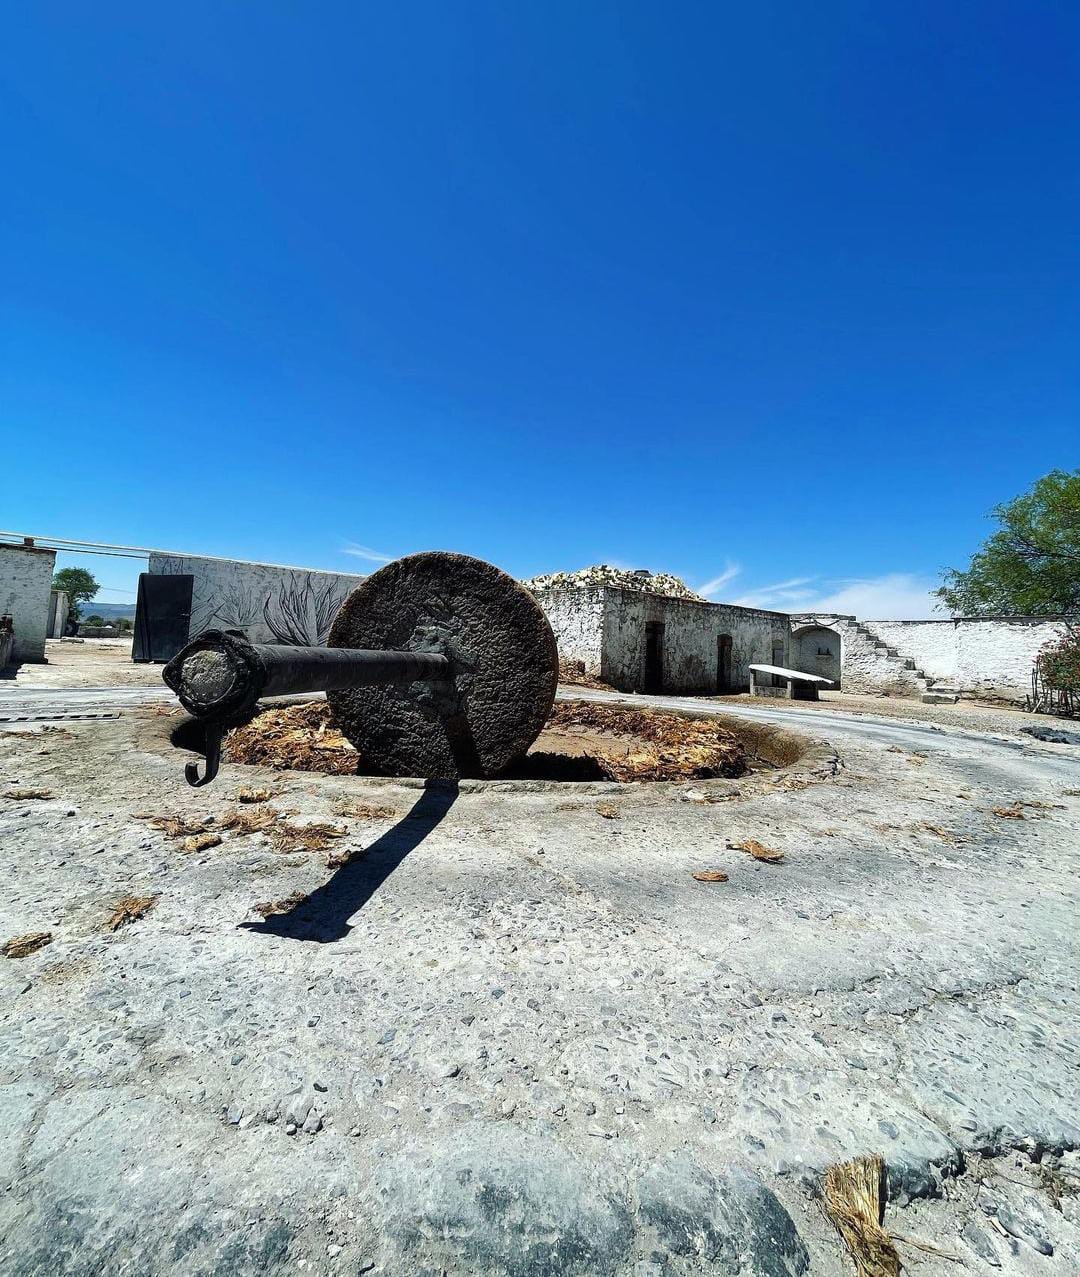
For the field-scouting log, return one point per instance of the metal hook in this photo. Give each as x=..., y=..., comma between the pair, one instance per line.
x=214, y=732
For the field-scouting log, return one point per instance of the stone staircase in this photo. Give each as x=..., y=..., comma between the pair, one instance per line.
x=872, y=665
x=931, y=690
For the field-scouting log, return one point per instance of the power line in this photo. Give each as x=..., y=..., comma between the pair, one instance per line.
x=88, y=547
x=67, y=549
x=68, y=546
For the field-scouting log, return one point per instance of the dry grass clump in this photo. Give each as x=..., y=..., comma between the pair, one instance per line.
x=267, y=907
x=317, y=837
x=301, y=737
x=243, y=823
x=1055, y=1184
x=791, y=782
x=768, y=855
x=249, y=795
x=343, y=855
x=853, y=1201
x=24, y=794
x=710, y=875
x=367, y=811
x=14, y=734
x=663, y=746
x=206, y=832
x=938, y=832
x=282, y=833
x=24, y=946
x=129, y=909
x=1013, y=812
x=645, y=744
x=573, y=674
x=202, y=842
x=176, y=826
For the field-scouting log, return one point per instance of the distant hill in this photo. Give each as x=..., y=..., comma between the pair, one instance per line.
x=108, y=611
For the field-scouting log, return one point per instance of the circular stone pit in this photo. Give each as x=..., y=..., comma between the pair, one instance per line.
x=582, y=742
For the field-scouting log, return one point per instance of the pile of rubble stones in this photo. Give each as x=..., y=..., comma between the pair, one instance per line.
x=616, y=578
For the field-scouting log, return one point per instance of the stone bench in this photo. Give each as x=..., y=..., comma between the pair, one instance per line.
x=796, y=685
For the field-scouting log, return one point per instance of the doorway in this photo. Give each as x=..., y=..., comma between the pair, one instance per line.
x=723, y=664
x=819, y=650
x=654, y=657
x=778, y=660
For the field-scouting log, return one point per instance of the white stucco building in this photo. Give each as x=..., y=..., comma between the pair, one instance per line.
x=26, y=573
x=643, y=642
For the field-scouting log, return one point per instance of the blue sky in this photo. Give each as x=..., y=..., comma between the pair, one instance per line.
x=778, y=297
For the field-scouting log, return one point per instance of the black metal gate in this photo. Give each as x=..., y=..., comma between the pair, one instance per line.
x=162, y=616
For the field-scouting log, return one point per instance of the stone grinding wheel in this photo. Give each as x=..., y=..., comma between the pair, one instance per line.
x=505, y=660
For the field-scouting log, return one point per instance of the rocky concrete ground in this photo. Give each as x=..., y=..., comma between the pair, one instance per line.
x=514, y=1034
x=979, y=716
x=80, y=663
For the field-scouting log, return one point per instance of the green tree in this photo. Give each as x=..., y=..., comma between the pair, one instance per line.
x=79, y=585
x=1031, y=565
x=1059, y=664
x=95, y=620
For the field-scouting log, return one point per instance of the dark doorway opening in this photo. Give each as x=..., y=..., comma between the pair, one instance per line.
x=654, y=656
x=778, y=660
x=723, y=663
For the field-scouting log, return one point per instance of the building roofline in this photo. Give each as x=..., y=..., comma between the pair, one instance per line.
x=253, y=563
x=670, y=598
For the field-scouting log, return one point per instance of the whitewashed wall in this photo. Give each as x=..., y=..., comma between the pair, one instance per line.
x=691, y=631
x=26, y=574
x=990, y=656
x=931, y=644
x=605, y=628
x=577, y=618
x=271, y=604
x=994, y=657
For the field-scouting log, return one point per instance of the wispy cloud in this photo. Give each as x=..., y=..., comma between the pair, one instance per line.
x=779, y=594
x=730, y=572
x=365, y=552
x=893, y=596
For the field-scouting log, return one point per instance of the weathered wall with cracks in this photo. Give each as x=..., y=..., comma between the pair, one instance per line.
x=271, y=604
x=607, y=629
x=26, y=573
